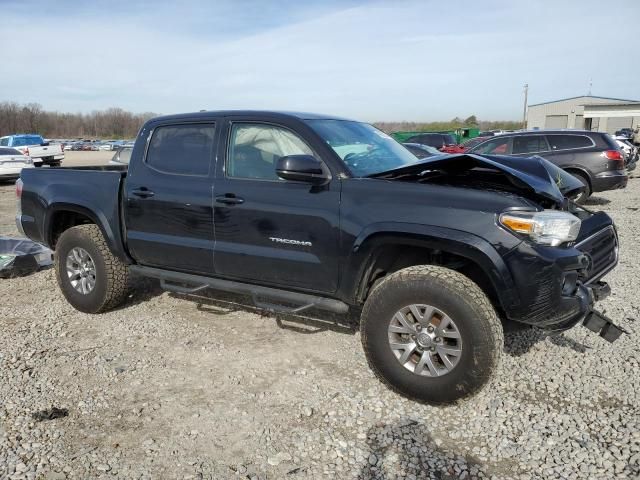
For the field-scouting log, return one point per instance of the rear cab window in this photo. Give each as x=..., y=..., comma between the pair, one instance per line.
x=27, y=140
x=184, y=149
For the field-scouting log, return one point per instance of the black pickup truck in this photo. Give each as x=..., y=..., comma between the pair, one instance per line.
x=303, y=210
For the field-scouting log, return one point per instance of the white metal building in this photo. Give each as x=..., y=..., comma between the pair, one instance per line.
x=600, y=114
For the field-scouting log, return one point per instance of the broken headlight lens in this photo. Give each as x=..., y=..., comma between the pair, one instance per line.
x=549, y=227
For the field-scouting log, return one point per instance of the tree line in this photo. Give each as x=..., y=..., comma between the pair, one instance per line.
x=32, y=118
x=469, y=122
x=118, y=123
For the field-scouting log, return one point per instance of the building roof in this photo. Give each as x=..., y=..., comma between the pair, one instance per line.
x=585, y=96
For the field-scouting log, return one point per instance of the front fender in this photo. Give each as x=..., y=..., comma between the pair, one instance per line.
x=463, y=244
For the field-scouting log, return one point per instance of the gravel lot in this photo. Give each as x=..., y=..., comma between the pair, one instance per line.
x=208, y=387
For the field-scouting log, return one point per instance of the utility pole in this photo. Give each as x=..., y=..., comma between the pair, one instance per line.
x=524, y=109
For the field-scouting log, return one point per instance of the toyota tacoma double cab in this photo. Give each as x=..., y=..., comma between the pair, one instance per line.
x=305, y=211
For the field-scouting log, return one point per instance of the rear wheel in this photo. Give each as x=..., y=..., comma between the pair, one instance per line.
x=91, y=278
x=586, y=193
x=431, y=334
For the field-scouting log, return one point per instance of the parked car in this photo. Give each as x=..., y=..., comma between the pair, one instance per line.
x=627, y=133
x=307, y=211
x=629, y=151
x=422, y=151
x=437, y=140
x=34, y=146
x=472, y=142
x=12, y=161
x=122, y=156
x=105, y=146
x=592, y=157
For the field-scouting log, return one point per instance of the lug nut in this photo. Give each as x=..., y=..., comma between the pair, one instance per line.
x=438, y=339
x=429, y=329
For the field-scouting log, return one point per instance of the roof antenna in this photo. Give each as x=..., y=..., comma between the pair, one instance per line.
x=590, y=85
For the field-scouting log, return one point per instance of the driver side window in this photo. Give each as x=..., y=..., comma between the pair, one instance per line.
x=255, y=148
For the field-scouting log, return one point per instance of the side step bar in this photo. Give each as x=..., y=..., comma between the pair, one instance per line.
x=174, y=281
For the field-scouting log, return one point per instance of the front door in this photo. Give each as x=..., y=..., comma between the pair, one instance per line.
x=270, y=230
x=169, y=215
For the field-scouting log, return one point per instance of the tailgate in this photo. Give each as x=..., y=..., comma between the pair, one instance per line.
x=47, y=151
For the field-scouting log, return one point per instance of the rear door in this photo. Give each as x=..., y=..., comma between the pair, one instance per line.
x=270, y=230
x=168, y=211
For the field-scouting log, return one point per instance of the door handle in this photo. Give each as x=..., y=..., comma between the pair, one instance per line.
x=229, y=199
x=142, y=192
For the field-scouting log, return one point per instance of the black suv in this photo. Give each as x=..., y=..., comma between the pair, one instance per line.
x=592, y=157
x=437, y=140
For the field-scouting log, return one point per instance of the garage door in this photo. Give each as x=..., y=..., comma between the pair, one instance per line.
x=579, y=123
x=556, y=121
x=616, y=123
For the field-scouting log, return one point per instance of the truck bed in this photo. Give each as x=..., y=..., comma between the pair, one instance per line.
x=90, y=191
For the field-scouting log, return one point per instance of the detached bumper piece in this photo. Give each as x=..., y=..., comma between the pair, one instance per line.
x=599, y=323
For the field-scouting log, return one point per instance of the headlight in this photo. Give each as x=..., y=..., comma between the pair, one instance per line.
x=549, y=227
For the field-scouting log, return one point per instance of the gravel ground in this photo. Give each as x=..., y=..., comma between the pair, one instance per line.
x=207, y=387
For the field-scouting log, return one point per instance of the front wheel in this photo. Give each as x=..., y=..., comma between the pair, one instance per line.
x=586, y=193
x=91, y=278
x=430, y=334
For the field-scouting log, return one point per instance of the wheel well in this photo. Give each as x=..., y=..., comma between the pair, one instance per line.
x=63, y=220
x=389, y=259
x=581, y=173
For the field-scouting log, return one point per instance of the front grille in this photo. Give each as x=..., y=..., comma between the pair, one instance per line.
x=602, y=250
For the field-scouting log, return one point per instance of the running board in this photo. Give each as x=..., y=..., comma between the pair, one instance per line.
x=175, y=282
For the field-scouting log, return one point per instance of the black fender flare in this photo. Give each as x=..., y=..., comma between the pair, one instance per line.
x=463, y=244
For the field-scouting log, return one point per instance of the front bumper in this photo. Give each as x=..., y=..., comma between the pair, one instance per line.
x=609, y=181
x=552, y=295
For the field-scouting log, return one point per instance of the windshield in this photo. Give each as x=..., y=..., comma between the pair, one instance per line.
x=9, y=151
x=363, y=148
x=27, y=140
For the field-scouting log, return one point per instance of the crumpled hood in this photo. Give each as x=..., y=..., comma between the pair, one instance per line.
x=534, y=173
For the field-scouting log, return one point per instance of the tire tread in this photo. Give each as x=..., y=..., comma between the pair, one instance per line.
x=468, y=292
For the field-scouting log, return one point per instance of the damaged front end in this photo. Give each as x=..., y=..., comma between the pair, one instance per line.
x=558, y=280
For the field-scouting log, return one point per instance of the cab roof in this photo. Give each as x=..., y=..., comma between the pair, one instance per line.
x=275, y=114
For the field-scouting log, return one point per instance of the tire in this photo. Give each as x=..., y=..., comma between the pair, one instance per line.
x=111, y=275
x=582, y=197
x=453, y=295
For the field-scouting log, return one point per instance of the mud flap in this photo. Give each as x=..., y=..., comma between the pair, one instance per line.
x=599, y=323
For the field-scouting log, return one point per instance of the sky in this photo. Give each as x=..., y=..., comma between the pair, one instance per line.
x=370, y=60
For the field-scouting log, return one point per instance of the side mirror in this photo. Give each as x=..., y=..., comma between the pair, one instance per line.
x=302, y=168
